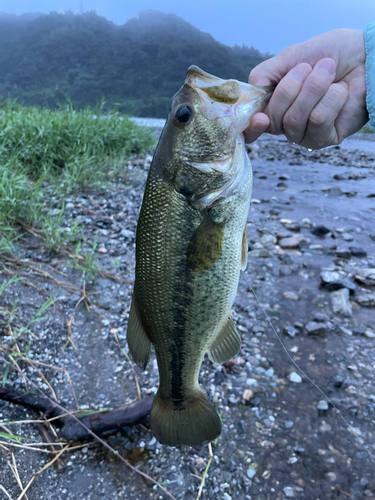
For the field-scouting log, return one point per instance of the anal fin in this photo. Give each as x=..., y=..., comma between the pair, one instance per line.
x=138, y=341
x=227, y=343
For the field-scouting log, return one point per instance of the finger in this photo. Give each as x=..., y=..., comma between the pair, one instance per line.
x=284, y=96
x=314, y=88
x=258, y=124
x=321, y=130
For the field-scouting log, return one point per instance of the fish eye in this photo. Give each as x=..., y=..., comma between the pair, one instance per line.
x=183, y=113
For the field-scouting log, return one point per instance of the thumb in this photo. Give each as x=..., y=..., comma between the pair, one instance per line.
x=269, y=72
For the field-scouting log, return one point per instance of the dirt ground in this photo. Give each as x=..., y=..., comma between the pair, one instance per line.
x=281, y=437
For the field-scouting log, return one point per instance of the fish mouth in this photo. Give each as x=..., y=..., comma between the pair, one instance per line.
x=227, y=99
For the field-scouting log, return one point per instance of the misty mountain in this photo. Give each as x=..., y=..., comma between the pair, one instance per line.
x=138, y=66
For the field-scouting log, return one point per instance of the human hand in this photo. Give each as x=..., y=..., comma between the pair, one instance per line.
x=320, y=96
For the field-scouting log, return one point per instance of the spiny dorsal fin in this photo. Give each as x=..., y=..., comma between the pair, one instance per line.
x=138, y=341
x=227, y=343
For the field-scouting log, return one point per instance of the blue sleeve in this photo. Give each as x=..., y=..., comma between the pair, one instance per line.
x=370, y=71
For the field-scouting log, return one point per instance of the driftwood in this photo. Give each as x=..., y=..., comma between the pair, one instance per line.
x=98, y=422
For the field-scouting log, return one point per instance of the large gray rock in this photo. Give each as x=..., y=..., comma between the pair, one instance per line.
x=292, y=241
x=340, y=302
x=366, y=276
x=317, y=329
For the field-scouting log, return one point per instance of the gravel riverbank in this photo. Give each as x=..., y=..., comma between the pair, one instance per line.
x=312, y=265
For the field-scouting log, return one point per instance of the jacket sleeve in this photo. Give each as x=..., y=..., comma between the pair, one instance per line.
x=370, y=71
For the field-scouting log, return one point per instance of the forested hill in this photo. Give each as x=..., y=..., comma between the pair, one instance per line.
x=138, y=66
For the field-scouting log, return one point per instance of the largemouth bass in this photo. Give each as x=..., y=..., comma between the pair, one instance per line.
x=191, y=244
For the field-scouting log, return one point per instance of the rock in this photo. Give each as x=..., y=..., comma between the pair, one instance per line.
x=346, y=331
x=102, y=250
x=281, y=185
x=340, y=302
x=367, y=300
x=268, y=241
x=288, y=491
x=358, y=252
x=317, y=329
x=247, y=395
x=323, y=408
x=290, y=295
x=260, y=252
x=295, y=377
x=291, y=225
x=285, y=257
x=320, y=231
x=292, y=241
x=338, y=381
x=343, y=253
x=369, y=333
x=250, y=473
x=366, y=276
x=332, y=281
x=290, y=330
x=320, y=317
x=347, y=237
x=126, y=233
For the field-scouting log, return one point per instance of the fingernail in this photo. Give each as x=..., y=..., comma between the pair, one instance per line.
x=327, y=65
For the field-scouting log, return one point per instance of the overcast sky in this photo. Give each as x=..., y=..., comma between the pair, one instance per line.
x=269, y=25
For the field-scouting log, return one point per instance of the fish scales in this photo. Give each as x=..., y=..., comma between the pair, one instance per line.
x=188, y=254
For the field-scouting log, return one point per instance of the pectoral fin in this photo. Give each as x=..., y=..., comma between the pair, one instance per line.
x=206, y=245
x=138, y=341
x=244, y=250
x=227, y=343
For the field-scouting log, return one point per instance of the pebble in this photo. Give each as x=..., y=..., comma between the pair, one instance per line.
x=320, y=231
x=343, y=253
x=331, y=476
x=295, y=377
x=358, y=252
x=369, y=333
x=292, y=241
x=290, y=330
x=317, y=329
x=332, y=281
x=288, y=491
x=341, y=303
x=367, y=300
x=346, y=331
x=250, y=473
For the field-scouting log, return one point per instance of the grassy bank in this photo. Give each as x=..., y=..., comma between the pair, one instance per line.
x=46, y=154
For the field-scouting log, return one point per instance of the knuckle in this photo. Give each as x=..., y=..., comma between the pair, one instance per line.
x=291, y=122
x=318, y=117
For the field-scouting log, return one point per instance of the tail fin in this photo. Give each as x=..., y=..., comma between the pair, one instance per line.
x=192, y=422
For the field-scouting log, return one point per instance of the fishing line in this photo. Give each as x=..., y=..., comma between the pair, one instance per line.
x=350, y=427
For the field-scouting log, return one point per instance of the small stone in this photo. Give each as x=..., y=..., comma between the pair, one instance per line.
x=259, y=252
x=292, y=460
x=358, y=252
x=226, y=496
x=292, y=241
x=102, y=250
x=251, y=381
x=126, y=233
x=346, y=331
x=250, y=473
x=369, y=333
x=331, y=476
x=343, y=253
x=317, y=329
x=366, y=276
x=247, y=395
x=320, y=231
x=320, y=317
x=290, y=295
x=325, y=427
x=367, y=300
x=288, y=491
x=295, y=377
x=268, y=241
x=290, y=330
x=363, y=482
x=338, y=381
x=332, y=281
x=340, y=302
x=322, y=405
x=347, y=237
x=270, y=372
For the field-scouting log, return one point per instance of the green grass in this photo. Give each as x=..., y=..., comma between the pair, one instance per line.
x=366, y=130
x=45, y=154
